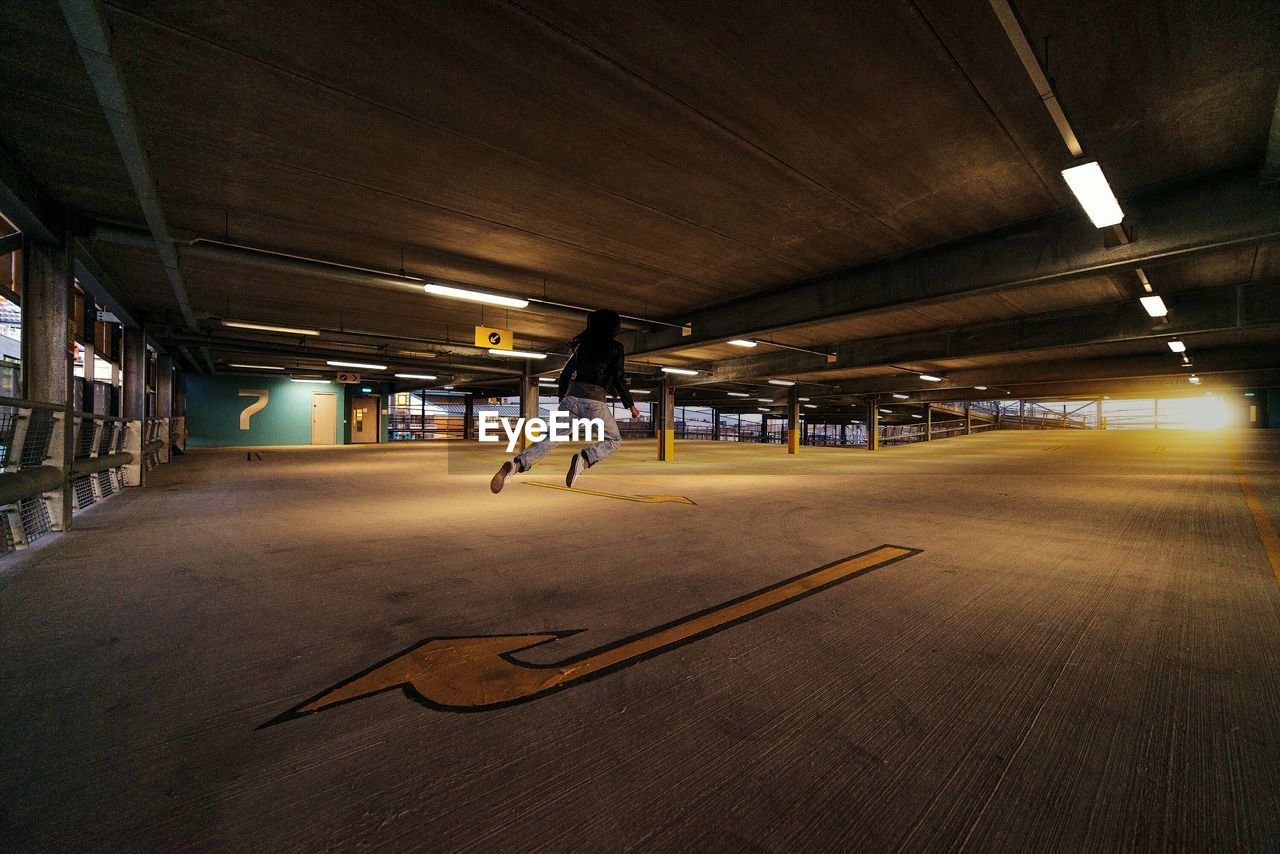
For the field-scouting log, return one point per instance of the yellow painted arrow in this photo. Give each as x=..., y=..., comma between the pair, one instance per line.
x=477, y=673
x=644, y=499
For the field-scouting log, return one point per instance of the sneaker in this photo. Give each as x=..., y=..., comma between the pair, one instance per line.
x=576, y=467
x=504, y=474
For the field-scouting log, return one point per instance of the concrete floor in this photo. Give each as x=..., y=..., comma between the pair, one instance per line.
x=1085, y=655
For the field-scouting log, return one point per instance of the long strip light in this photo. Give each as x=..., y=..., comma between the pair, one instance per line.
x=1094, y=193
x=518, y=354
x=1154, y=306
x=368, y=366
x=416, y=376
x=886, y=411
x=764, y=399
x=305, y=380
x=474, y=296
x=266, y=327
x=980, y=387
x=930, y=378
x=811, y=406
x=737, y=394
x=257, y=367
x=686, y=372
x=781, y=382
x=548, y=381
x=743, y=342
x=641, y=391
x=901, y=396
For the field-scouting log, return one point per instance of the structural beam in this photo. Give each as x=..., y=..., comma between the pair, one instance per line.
x=1207, y=213
x=1234, y=306
x=91, y=34
x=102, y=285
x=21, y=201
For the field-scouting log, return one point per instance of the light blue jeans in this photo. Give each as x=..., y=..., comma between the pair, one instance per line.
x=579, y=407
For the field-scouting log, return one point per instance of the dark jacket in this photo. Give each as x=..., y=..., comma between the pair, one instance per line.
x=599, y=365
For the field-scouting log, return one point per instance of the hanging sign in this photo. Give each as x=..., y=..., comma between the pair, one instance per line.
x=496, y=339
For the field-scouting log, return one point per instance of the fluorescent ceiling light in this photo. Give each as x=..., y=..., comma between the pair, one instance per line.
x=765, y=399
x=802, y=399
x=902, y=396
x=980, y=387
x=913, y=415
x=548, y=380
x=1154, y=306
x=368, y=366
x=266, y=327
x=811, y=406
x=781, y=382
x=742, y=342
x=258, y=367
x=304, y=380
x=475, y=296
x=930, y=378
x=737, y=394
x=1177, y=346
x=763, y=408
x=416, y=376
x=1195, y=380
x=446, y=386
x=682, y=371
x=1094, y=193
x=518, y=354
x=886, y=411
x=641, y=391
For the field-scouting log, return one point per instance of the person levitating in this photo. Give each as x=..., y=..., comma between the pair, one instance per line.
x=594, y=369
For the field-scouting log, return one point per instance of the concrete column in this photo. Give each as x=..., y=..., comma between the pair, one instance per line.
x=928, y=422
x=666, y=422
x=793, y=420
x=842, y=435
x=468, y=413
x=1097, y=420
x=135, y=374
x=164, y=386
x=528, y=402
x=47, y=367
x=968, y=421
x=715, y=425
x=873, y=426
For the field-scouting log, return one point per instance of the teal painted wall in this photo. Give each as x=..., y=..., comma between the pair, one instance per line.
x=214, y=405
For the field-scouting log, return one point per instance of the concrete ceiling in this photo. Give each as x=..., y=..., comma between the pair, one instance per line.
x=656, y=158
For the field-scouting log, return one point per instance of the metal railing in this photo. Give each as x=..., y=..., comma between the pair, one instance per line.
x=55, y=461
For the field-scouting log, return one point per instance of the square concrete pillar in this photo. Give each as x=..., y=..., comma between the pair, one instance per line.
x=666, y=422
x=793, y=420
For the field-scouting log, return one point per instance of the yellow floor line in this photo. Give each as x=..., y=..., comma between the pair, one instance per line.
x=643, y=499
x=1266, y=531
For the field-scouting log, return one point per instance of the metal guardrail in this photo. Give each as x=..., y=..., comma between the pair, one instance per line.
x=55, y=461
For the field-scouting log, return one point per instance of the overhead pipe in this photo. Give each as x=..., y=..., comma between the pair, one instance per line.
x=270, y=259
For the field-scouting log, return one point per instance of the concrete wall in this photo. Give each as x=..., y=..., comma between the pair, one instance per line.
x=214, y=405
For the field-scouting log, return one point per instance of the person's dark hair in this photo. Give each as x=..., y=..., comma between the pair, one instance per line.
x=602, y=327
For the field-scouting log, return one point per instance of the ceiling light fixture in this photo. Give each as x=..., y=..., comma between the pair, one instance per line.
x=781, y=382
x=416, y=376
x=474, y=296
x=684, y=372
x=980, y=387
x=1094, y=193
x=305, y=380
x=368, y=366
x=930, y=378
x=257, y=367
x=901, y=396
x=641, y=391
x=802, y=399
x=763, y=408
x=811, y=406
x=742, y=342
x=1177, y=346
x=886, y=411
x=517, y=354
x=765, y=399
x=1195, y=380
x=266, y=327
x=913, y=415
x=1154, y=306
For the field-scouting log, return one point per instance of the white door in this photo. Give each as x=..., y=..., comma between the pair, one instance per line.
x=324, y=418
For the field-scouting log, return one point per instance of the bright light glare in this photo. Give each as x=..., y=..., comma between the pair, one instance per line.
x=1195, y=413
x=475, y=296
x=742, y=342
x=1177, y=346
x=1094, y=193
x=517, y=354
x=682, y=371
x=1154, y=306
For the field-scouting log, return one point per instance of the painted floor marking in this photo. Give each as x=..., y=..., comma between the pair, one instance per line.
x=467, y=674
x=644, y=499
x=1266, y=531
